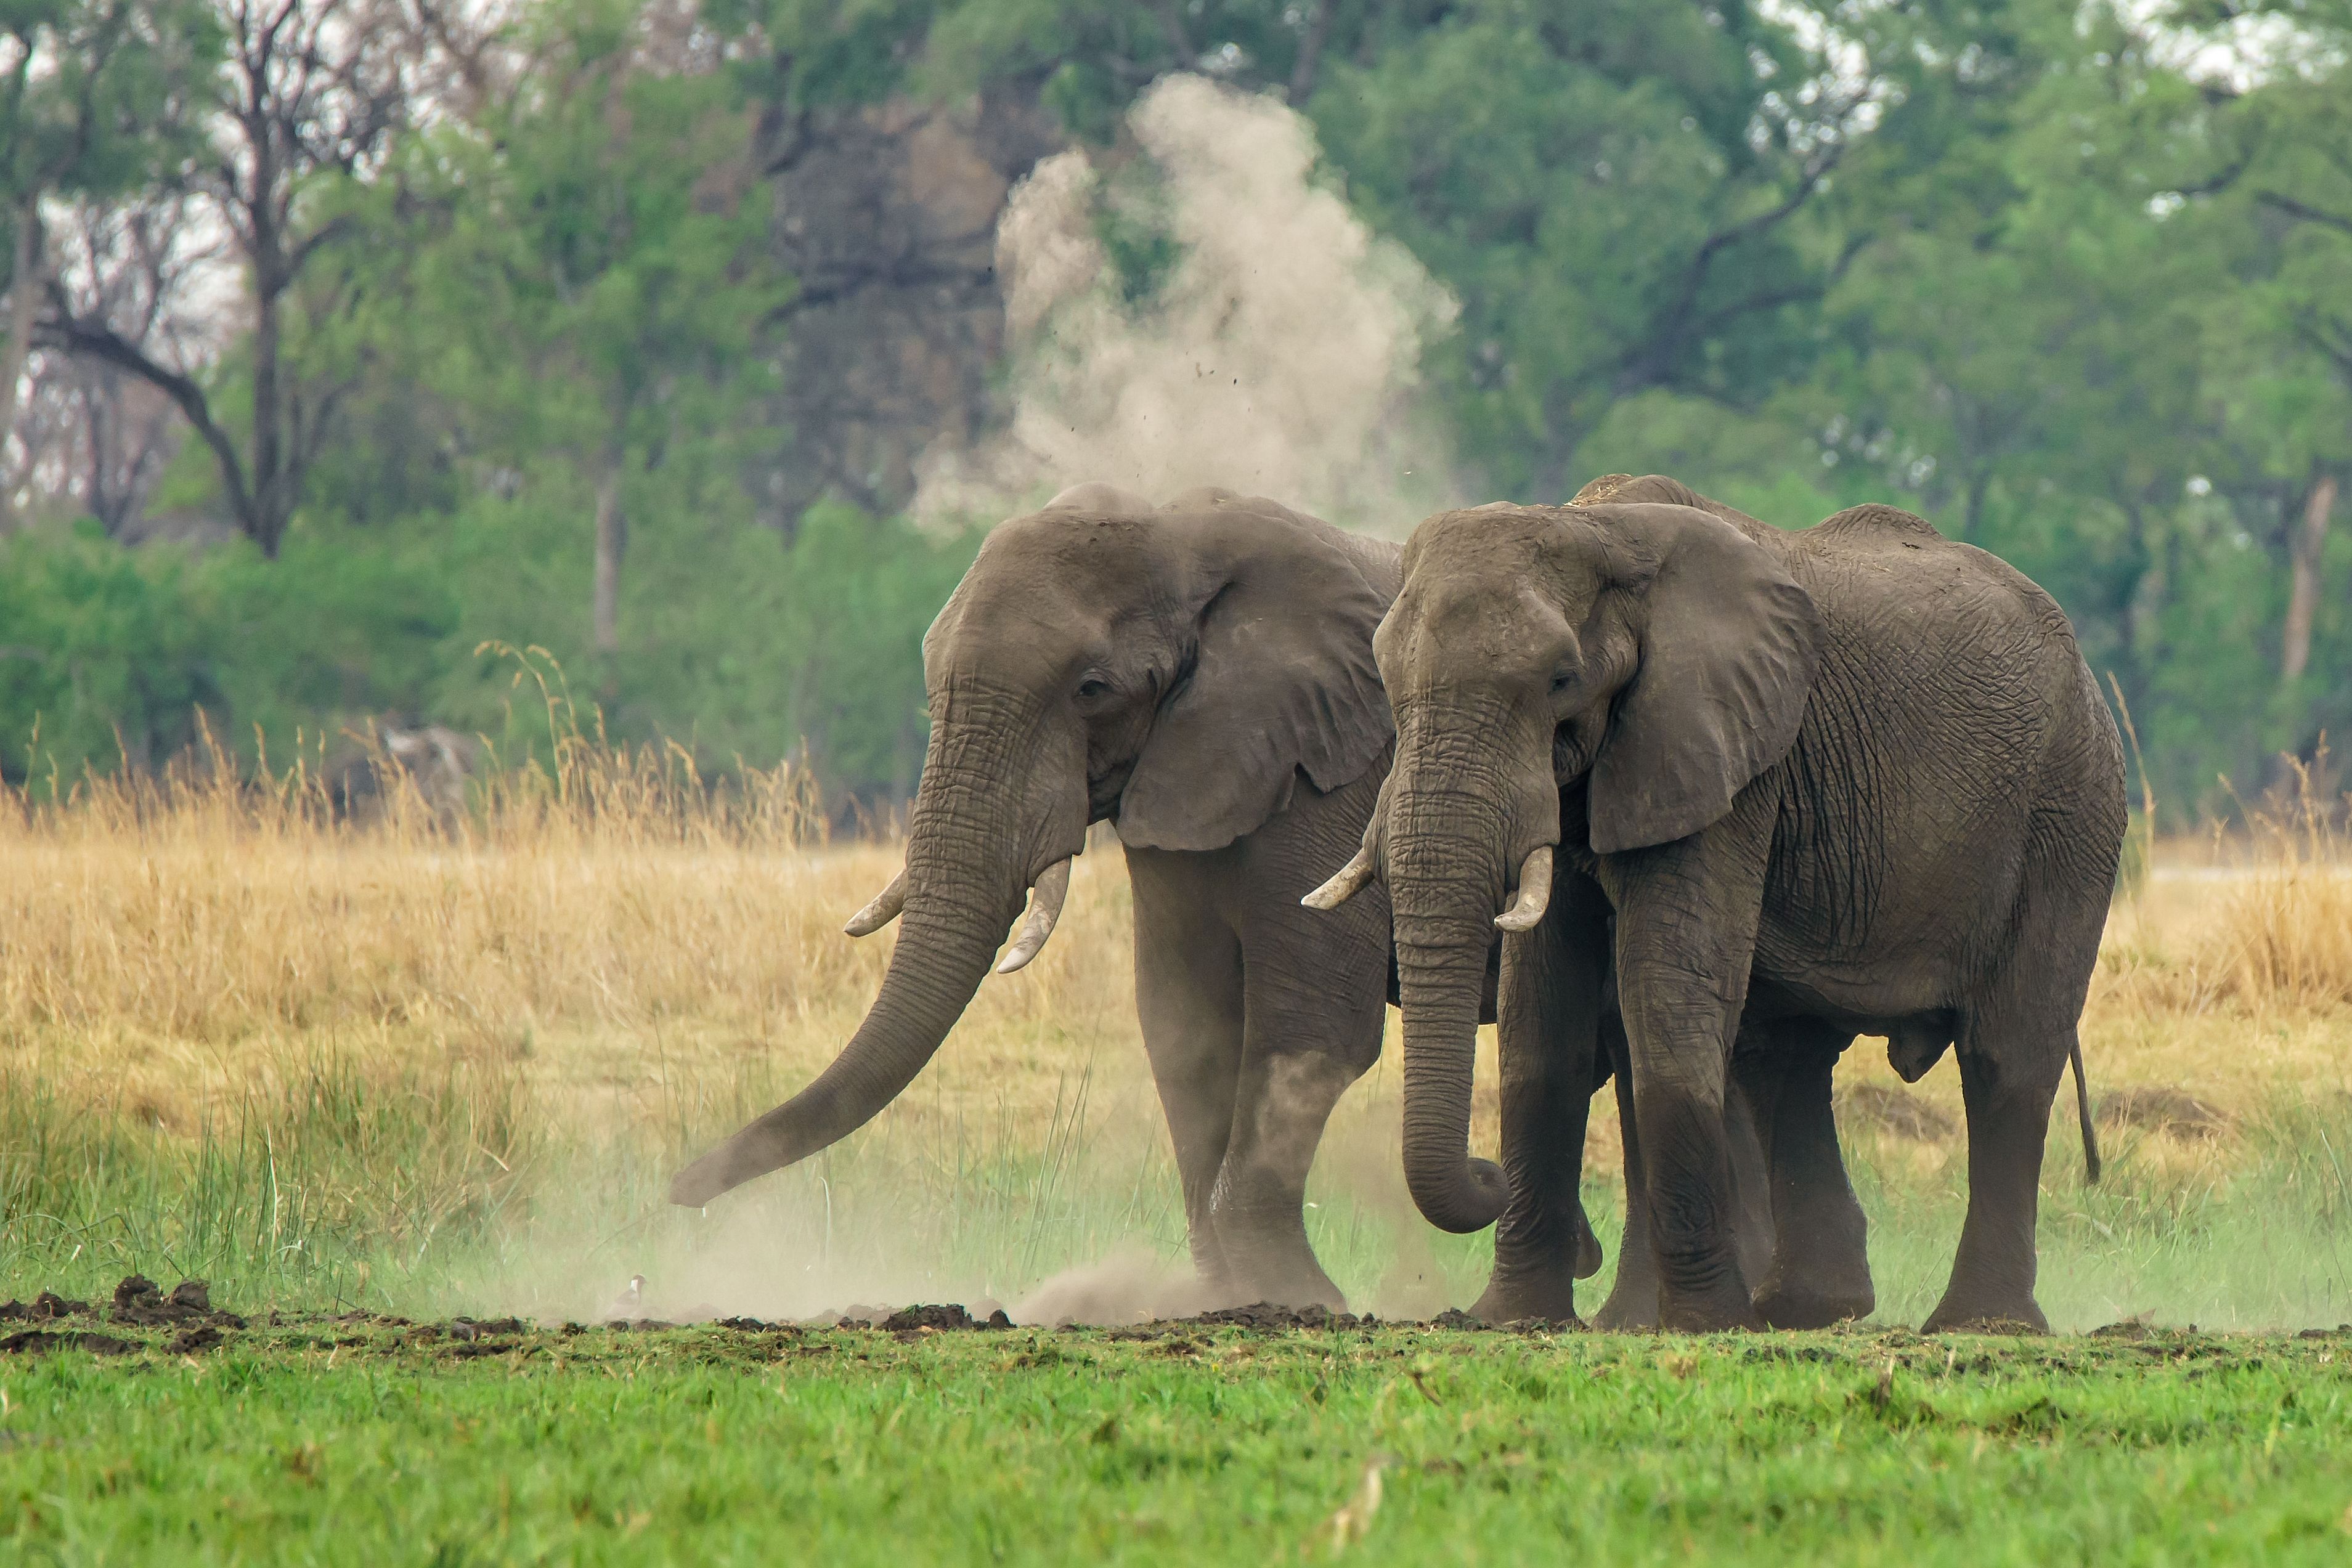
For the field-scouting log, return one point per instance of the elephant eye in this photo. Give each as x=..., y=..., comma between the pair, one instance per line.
x=1091, y=687
x=1562, y=680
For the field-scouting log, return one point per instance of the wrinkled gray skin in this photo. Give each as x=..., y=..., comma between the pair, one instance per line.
x=1851, y=780
x=1202, y=675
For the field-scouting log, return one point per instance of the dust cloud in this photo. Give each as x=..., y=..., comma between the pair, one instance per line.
x=1277, y=354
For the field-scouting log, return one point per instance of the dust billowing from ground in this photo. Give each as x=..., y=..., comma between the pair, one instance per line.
x=1277, y=354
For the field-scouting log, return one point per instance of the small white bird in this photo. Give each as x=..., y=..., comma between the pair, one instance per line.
x=630, y=1304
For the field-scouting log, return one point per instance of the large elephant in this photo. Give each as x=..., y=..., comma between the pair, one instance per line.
x=1202, y=675
x=1854, y=779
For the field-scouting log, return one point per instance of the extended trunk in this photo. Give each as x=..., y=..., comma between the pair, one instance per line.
x=1446, y=885
x=964, y=885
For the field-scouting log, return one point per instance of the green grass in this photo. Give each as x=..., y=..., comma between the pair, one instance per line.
x=334, y=1443
x=431, y=1192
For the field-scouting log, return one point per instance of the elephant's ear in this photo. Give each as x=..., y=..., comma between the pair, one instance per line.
x=1730, y=648
x=1282, y=682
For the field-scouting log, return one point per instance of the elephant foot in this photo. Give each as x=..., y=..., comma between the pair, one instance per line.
x=1295, y=1288
x=1723, y=1306
x=1552, y=1298
x=1794, y=1305
x=1632, y=1310
x=2020, y=1316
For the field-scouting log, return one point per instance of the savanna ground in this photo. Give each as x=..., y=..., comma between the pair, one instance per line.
x=350, y=1077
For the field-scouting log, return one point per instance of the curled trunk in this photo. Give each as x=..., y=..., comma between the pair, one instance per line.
x=1444, y=886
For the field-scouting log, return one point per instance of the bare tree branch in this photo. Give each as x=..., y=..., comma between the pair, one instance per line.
x=2309, y=214
x=95, y=339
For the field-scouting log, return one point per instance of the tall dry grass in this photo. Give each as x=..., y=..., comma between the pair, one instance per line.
x=236, y=1030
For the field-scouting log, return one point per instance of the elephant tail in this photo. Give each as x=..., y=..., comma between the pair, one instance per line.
x=2091, y=1163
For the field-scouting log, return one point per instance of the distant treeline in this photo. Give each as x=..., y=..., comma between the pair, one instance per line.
x=345, y=336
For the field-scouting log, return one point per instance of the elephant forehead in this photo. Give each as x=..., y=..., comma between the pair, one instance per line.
x=1500, y=621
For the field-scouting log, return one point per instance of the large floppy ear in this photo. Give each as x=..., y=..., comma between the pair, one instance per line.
x=1729, y=647
x=1282, y=681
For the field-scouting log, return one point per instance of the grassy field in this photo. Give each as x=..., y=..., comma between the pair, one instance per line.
x=408, y=1071
x=337, y=1442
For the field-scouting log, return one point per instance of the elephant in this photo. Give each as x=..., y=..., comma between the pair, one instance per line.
x=1798, y=787
x=1201, y=675
x=366, y=771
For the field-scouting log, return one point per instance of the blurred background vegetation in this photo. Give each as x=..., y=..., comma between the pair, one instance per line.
x=344, y=336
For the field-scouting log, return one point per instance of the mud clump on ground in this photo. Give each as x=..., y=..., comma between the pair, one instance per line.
x=139, y=1302
x=41, y=1342
x=1266, y=1315
x=943, y=1318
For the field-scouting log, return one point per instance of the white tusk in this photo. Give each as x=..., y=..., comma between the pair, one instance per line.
x=1349, y=882
x=883, y=910
x=1044, y=909
x=1535, y=892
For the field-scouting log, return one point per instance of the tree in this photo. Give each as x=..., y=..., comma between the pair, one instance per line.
x=311, y=93
x=592, y=254
x=100, y=96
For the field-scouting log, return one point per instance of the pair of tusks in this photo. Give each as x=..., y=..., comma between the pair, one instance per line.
x=1045, y=910
x=1526, y=911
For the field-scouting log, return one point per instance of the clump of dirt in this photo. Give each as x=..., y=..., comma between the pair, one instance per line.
x=1266, y=1315
x=42, y=1342
x=46, y=1308
x=466, y=1329
x=2162, y=1110
x=141, y=1303
x=1894, y=1111
x=943, y=1318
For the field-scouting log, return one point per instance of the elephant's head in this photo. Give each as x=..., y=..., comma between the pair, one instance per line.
x=1616, y=669
x=1174, y=669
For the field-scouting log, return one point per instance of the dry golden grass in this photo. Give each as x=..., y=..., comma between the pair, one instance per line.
x=632, y=947
x=166, y=947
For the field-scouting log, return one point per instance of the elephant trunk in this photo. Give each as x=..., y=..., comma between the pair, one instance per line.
x=1445, y=882
x=968, y=866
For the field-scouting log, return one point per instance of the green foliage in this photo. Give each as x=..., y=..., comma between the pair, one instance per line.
x=743, y=643
x=2050, y=276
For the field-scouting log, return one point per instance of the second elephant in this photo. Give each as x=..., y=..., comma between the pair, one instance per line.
x=1855, y=780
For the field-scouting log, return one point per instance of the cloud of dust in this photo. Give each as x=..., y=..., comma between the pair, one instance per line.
x=1277, y=355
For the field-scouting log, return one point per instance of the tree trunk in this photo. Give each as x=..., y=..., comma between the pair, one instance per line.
x=22, y=288
x=272, y=503
x=612, y=538
x=2302, y=589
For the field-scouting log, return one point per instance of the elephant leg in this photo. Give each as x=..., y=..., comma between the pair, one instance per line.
x=1187, y=993
x=1305, y=1038
x=1547, y=1020
x=1685, y=936
x=1633, y=1300
x=2007, y=1096
x=1751, y=1178
x=1819, y=1273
